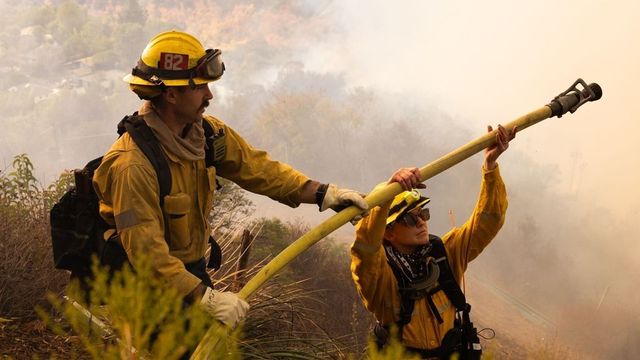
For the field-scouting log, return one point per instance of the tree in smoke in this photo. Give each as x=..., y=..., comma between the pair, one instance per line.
x=132, y=13
x=70, y=17
x=310, y=126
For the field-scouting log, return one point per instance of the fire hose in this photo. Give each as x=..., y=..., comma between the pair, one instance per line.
x=567, y=101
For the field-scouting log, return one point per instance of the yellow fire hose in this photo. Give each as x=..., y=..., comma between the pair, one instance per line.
x=567, y=101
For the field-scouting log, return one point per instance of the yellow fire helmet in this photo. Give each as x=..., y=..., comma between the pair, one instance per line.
x=175, y=58
x=405, y=202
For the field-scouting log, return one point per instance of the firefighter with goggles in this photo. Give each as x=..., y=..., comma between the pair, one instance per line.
x=172, y=76
x=410, y=279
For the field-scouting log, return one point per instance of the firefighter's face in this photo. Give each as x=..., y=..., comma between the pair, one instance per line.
x=406, y=236
x=191, y=103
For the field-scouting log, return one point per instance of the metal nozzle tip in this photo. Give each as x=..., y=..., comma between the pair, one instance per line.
x=597, y=91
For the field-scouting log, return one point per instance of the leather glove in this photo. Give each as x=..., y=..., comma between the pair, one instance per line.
x=224, y=306
x=337, y=199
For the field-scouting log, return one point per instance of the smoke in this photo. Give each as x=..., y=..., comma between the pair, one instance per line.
x=348, y=94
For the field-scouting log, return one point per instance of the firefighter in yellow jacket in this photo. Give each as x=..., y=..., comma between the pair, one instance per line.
x=394, y=266
x=172, y=75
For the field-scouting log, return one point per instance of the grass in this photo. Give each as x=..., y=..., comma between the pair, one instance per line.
x=309, y=311
x=25, y=243
x=283, y=318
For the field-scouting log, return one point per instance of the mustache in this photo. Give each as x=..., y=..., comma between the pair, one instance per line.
x=205, y=104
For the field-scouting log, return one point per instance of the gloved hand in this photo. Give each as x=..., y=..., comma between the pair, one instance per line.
x=224, y=306
x=337, y=199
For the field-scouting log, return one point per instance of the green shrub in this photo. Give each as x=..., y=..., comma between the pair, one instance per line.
x=142, y=317
x=26, y=260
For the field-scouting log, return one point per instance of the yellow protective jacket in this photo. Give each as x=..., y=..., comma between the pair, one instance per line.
x=377, y=284
x=127, y=187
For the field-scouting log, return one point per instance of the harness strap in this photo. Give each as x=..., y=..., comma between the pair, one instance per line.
x=215, y=152
x=432, y=305
x=462, y=338
x=208, y=139
x=407, y=302
x=143, y=136
x=446, y=283
x=426, y=354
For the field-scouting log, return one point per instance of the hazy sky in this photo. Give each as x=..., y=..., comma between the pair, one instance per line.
x=492, y=61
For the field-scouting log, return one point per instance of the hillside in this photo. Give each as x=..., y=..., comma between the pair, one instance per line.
x=520, y=331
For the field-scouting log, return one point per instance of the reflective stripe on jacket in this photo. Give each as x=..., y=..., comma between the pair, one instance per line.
x=377, y=284
x=127, y=187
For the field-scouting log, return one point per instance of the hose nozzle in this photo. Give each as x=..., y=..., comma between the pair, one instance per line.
x=571, y=99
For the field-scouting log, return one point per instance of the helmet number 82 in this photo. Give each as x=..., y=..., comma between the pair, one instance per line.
x=171, y=61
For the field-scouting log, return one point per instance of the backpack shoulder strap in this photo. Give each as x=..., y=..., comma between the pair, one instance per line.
x=208, y=138
x=214, y=152
x=447, y=281
x=407, y=298
x=143, y=136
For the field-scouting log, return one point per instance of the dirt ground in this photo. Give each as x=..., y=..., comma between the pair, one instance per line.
x=29, y=339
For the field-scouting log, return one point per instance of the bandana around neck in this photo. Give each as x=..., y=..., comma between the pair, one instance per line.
x=413, y=267
x=190, y=147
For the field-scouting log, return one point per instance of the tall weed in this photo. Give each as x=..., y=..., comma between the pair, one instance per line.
x=25, y=244
x=143, y=318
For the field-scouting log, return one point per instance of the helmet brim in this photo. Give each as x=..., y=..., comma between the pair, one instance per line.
x=135, y=80
x=420, y=203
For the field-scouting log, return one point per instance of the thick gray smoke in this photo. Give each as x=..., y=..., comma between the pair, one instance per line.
x=563, y=253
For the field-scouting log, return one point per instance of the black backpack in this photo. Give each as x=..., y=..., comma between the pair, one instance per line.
x=77, y=229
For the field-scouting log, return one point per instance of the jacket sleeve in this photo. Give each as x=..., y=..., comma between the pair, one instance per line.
x=465, y=243
x=254, y=170
x=133, y=192
x=372, y=275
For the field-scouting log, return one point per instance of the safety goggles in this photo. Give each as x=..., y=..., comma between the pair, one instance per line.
x=411, y=218
x=209, y=67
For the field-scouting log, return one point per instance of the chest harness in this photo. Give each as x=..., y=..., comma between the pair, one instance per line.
x=422, y=278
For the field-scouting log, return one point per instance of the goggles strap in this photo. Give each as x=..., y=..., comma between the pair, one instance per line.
x=152, y=78
x=192, y=84
x=142, y=68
